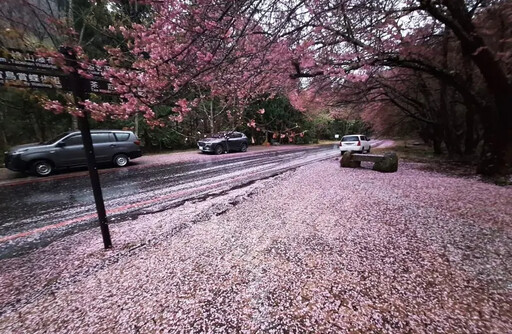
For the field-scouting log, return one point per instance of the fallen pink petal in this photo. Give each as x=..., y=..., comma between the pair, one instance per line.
x=423, y=253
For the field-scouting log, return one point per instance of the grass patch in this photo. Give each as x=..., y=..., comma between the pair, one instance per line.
x=328, y=142
x=407, y=151
x=417, y=153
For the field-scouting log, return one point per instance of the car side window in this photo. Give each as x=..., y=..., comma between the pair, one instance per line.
x=98, y=138
x=122, y=136
x=236, y=135
x=74, y=140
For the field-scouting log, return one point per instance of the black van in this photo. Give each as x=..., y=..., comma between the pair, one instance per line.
x=67, y=150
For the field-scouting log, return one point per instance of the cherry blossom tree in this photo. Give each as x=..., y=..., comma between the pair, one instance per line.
x=242, y=50
x=346, y=40
x=276, y=120
x=218, y=46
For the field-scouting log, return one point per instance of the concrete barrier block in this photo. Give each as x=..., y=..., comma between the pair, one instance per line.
x=387, y=165
x=346, y=161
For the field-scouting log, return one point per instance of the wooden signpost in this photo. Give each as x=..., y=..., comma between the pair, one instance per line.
x=24, y=69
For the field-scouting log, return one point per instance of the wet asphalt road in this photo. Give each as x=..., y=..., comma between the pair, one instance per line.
x=34, y=213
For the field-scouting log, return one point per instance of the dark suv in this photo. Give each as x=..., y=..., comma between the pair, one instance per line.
x=224, y=142
x=67, y=150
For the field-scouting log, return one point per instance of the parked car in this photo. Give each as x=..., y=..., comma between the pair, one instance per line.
x=355, y=143
x=224, y=142
x=67, y=150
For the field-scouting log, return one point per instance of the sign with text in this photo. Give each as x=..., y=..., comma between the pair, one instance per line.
x=23, y=79
x=29, y=80
x=101, y=87
x=24, y=69
x=26, y=58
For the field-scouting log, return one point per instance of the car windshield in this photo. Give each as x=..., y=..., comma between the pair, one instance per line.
x=350, y=138
x=53, y=140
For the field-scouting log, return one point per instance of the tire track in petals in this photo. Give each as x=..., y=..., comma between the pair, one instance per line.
x=183, y=194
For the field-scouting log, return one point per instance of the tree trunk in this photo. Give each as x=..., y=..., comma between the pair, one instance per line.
x=437, y=146
x=469, y=139
x=437, y=138
x=496, y=158
x=36, y=127
x=448, y=127
x=136, y=124
x=3, y=137
x=212, y=120
x=74, y=123
x=205, y=127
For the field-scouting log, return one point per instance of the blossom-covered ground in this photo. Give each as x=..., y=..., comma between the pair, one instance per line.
x=320, y=249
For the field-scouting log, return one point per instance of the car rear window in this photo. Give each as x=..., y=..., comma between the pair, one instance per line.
x=350, y=138
x=122, y=136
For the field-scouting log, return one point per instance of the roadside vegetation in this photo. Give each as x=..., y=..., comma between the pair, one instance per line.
x=440, y=72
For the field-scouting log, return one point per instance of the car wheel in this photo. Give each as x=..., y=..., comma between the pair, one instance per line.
x=243, y=148
x=368, y=151
x=219, y=149
x=120, y=160
x=42, y=168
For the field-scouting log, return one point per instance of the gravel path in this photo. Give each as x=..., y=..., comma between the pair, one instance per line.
x=320, y=249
